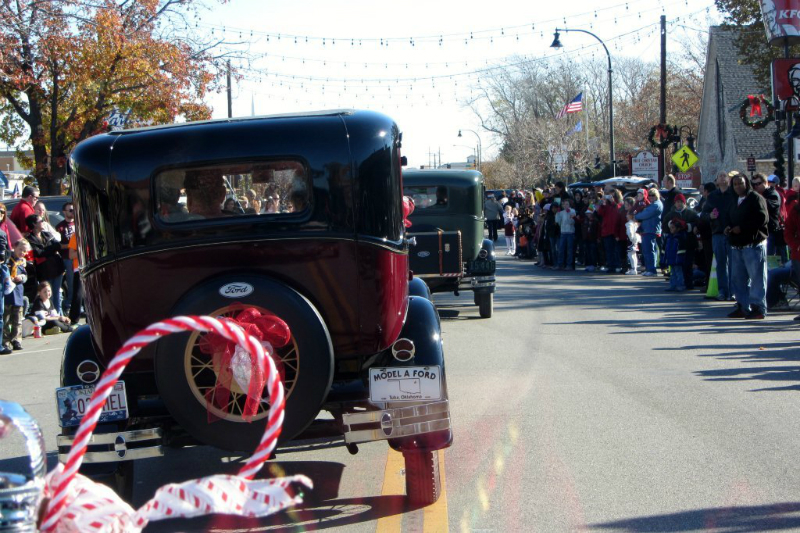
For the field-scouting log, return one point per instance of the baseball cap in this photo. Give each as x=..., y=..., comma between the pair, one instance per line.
x=773, y=178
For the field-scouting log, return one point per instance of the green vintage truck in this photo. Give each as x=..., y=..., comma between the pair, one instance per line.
x=450, y=252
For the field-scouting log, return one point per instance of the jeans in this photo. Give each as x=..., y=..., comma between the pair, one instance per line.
x=68, y=279
x=612, y=257
x=776, y=279
x=649, y=252
x=688, y=269
x=676, y=281
x=566, y=248
x=55, y=286
x=749, y=277
x=590, y=253
x=722, y=252
x=554, y=250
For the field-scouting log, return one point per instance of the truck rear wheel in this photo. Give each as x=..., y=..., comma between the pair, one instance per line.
x=423, y=480
x=485, y=301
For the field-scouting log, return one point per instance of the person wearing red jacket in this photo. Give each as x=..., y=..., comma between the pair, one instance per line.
x=791, y=233
x=24, y=209
x=609, y=230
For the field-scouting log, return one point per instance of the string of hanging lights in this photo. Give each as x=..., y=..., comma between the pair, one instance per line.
x=514, y=32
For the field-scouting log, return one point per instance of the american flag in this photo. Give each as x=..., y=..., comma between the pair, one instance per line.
x=575, y=106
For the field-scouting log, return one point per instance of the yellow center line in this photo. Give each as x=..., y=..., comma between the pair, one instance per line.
x=393, y=483
x=435, y=519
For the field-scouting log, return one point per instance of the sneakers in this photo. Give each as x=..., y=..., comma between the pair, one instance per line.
x=602, y=269
x=722, y=298
x=738, y=313
x=590, y=269
x=631, y=272
x=15, y=345
x=5, y=351
x=648, y=274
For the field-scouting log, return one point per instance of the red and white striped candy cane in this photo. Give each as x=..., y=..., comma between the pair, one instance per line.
x=179, y=324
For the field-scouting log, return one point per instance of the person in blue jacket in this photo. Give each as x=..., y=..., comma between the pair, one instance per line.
x=650, y=218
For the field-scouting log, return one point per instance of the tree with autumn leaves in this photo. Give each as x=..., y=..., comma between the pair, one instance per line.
x=65, y=65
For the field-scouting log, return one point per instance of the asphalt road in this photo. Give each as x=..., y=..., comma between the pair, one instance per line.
x=588, y=402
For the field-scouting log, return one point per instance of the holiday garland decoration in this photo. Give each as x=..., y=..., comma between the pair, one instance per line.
x=661, y=135
x=759, y=107
x=74, y=503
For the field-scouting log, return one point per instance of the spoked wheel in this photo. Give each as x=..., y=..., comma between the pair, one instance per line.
x=423, y=482
x=485, y=301
x=208, y=402
x=203, y=377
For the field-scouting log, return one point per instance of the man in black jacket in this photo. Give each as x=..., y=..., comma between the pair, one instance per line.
x=716, y=212
x=747, y=232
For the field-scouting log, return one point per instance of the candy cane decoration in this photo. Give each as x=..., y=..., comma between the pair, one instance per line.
x=226, y=494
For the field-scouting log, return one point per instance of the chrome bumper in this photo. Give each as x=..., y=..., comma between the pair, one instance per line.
x=396, y=422
x=113, y=447
x=479, y=282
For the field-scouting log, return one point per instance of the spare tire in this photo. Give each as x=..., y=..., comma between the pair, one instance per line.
x=184, y=374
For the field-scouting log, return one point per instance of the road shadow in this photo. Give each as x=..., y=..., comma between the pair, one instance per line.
x=776, y=517
x=309, y=516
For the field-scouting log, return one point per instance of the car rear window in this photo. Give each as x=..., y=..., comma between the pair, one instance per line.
x=435, y=197
x=271, y=189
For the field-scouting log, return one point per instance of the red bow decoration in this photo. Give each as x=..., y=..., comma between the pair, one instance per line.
x=265, y=327
x=408, y=208
x=661, y=133
x=755, y=105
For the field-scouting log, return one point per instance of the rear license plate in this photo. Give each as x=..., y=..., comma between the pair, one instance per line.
x=405, y=384
x=72, y=403
x=482, y=267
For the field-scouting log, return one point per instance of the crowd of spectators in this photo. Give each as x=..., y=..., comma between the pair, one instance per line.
x=737, y=228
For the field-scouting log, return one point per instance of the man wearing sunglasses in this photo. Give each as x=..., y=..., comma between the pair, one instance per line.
x=24, y=209
x=66, y=228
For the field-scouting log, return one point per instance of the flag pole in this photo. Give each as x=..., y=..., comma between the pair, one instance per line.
x=586, y=116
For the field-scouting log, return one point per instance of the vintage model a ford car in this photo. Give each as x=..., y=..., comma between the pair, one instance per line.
x=164, y=230
x=450, y=253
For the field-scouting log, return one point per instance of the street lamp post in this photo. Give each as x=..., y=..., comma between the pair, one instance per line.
x=480, y=149
x=557, y=44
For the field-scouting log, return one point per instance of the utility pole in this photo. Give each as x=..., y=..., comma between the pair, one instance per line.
x=662, y=164
x=230, y=92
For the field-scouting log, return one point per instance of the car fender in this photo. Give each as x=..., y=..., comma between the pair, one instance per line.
x=79, y=348
x=488, y=245
x=423, y=328
x=418, y=287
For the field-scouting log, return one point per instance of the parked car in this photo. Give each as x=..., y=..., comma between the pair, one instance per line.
x=450, y=253
x=332, y=262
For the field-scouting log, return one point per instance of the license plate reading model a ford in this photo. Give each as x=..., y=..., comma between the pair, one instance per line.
x=405, y=384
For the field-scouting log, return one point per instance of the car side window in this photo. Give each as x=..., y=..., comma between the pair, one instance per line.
x=273, y=189
x=436, y=197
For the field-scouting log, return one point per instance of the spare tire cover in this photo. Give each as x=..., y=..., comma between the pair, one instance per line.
x=184, y=374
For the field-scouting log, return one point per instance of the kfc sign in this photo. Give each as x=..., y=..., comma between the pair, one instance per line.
x=781, y=21
x=786, y=82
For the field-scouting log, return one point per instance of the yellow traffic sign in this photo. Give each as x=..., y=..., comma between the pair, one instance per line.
x=684, y=159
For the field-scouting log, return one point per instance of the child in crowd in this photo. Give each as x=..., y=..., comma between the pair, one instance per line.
x=675, y=254
x=15, y=299
x=510, y=225
x=631, y=228
x=46, y=314
x=589, y=230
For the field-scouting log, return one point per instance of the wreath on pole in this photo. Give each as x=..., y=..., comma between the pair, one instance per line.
x=756, y=111
x=661, y=135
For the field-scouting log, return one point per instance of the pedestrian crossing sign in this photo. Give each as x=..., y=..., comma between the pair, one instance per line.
x=684, y=159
